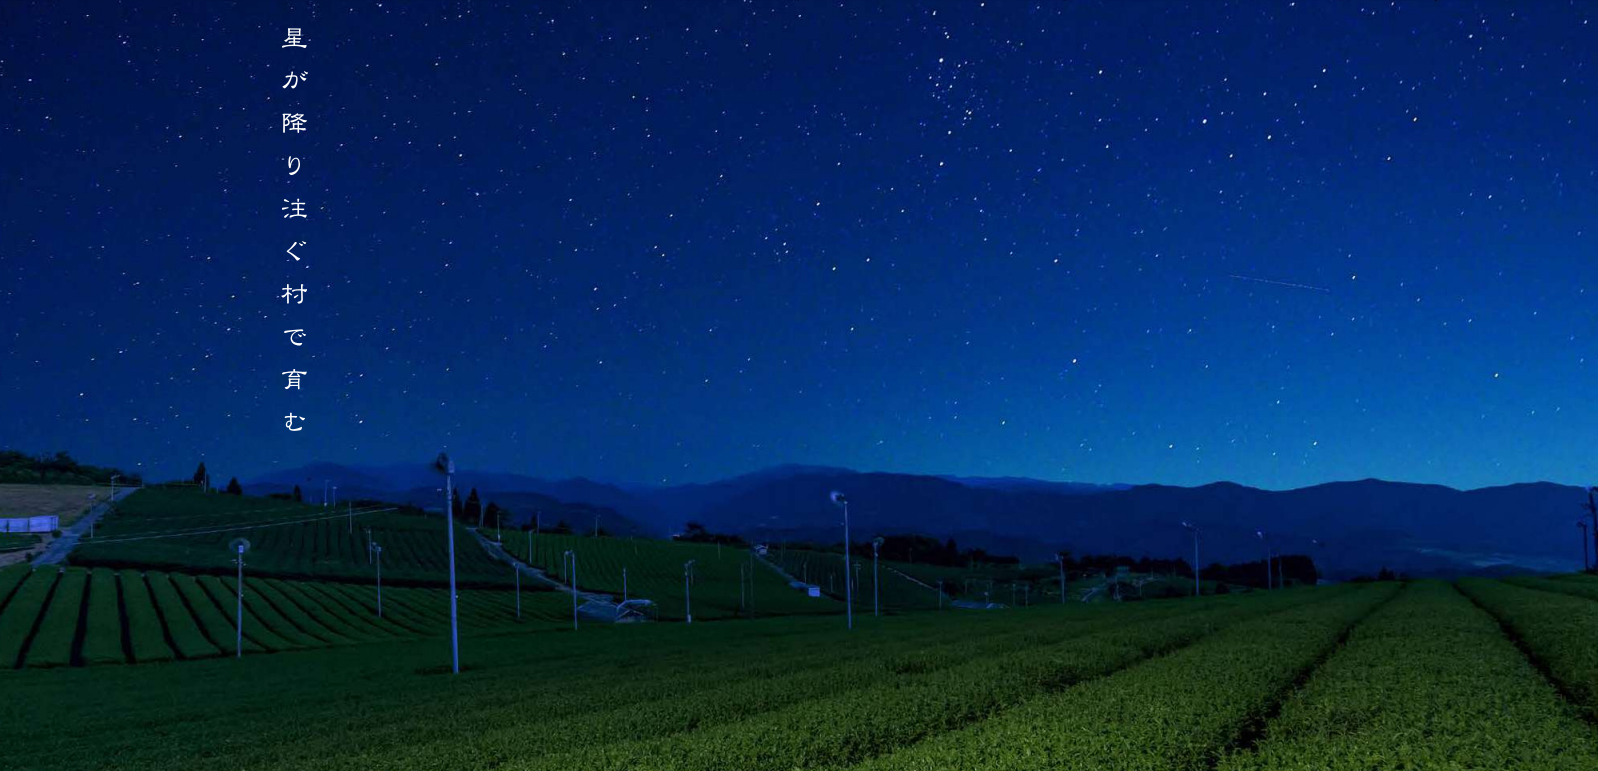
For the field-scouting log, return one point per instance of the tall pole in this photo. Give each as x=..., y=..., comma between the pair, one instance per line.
x=1194, y=528
x=572, y=556
x=1060, y=560
x=238, y=613
x=518, y=572
x=876, y=595
x=940, y=594
x=688, y=589
x=1266, y=544
x=449, y=526
x=1592, y=508
x=349, y=508
x=1585, y=564
x=624, y=584
x=848, y=585
x=378, y=549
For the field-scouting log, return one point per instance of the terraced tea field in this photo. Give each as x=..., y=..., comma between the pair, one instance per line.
x=1490, y=675
x=75, y=616
x=727, y=582
x=187, y=530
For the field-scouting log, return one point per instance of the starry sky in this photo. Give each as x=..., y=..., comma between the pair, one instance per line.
x=1276, y=243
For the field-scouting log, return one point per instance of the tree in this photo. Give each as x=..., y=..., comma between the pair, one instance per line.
x=298, y=496
x=199, y=474
x=473, y=507
x=233, y=487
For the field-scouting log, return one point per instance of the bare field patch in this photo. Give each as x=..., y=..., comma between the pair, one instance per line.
x=69, y=502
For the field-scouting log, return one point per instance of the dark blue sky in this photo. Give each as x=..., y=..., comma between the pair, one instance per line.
x=673, y=242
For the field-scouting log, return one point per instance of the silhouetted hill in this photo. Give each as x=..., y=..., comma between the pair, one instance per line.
x=1348, y=527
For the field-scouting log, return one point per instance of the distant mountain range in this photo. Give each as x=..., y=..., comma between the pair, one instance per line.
x=1349, y=528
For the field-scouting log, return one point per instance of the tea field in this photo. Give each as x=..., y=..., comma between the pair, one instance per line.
x=1483, y=675
x=187, y=530
x=726, y=582
x=78, y=617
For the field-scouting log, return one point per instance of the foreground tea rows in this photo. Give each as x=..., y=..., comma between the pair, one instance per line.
x=1373, y=676
x=62, y=617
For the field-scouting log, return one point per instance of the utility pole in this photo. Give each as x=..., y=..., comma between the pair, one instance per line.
x=1059, y=559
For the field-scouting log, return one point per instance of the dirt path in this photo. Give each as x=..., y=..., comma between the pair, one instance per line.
x=56, y=551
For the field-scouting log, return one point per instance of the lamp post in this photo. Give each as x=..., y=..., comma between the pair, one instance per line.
x=239, y=547
x=377, y=551
x=1320, y=547
x=335, y=495
x=876, y=578
x=1261, y=535
x=443, y=465
x=518, y=571
x=1194, y=528
x=838, y=499
x=1585, y=564
x=688, y=589
x=91, y=515
x=1059, y=559
x=572, y=556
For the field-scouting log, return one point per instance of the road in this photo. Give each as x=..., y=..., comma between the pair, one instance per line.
x=57, y=550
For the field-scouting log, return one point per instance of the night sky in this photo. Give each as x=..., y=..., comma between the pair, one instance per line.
x=1275, y=243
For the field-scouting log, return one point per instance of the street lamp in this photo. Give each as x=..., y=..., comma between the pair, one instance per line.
x=239, y=546
x=1194, y=528
x=838, y=499
x=91, y=515
x=876, y=596
x=377, y=551
x=1267, y=544
x=572, y=556
x=688, y=589
x=443, y=465
x=1059, y=559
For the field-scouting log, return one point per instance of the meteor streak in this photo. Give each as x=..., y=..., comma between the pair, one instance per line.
x=1279, y=283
